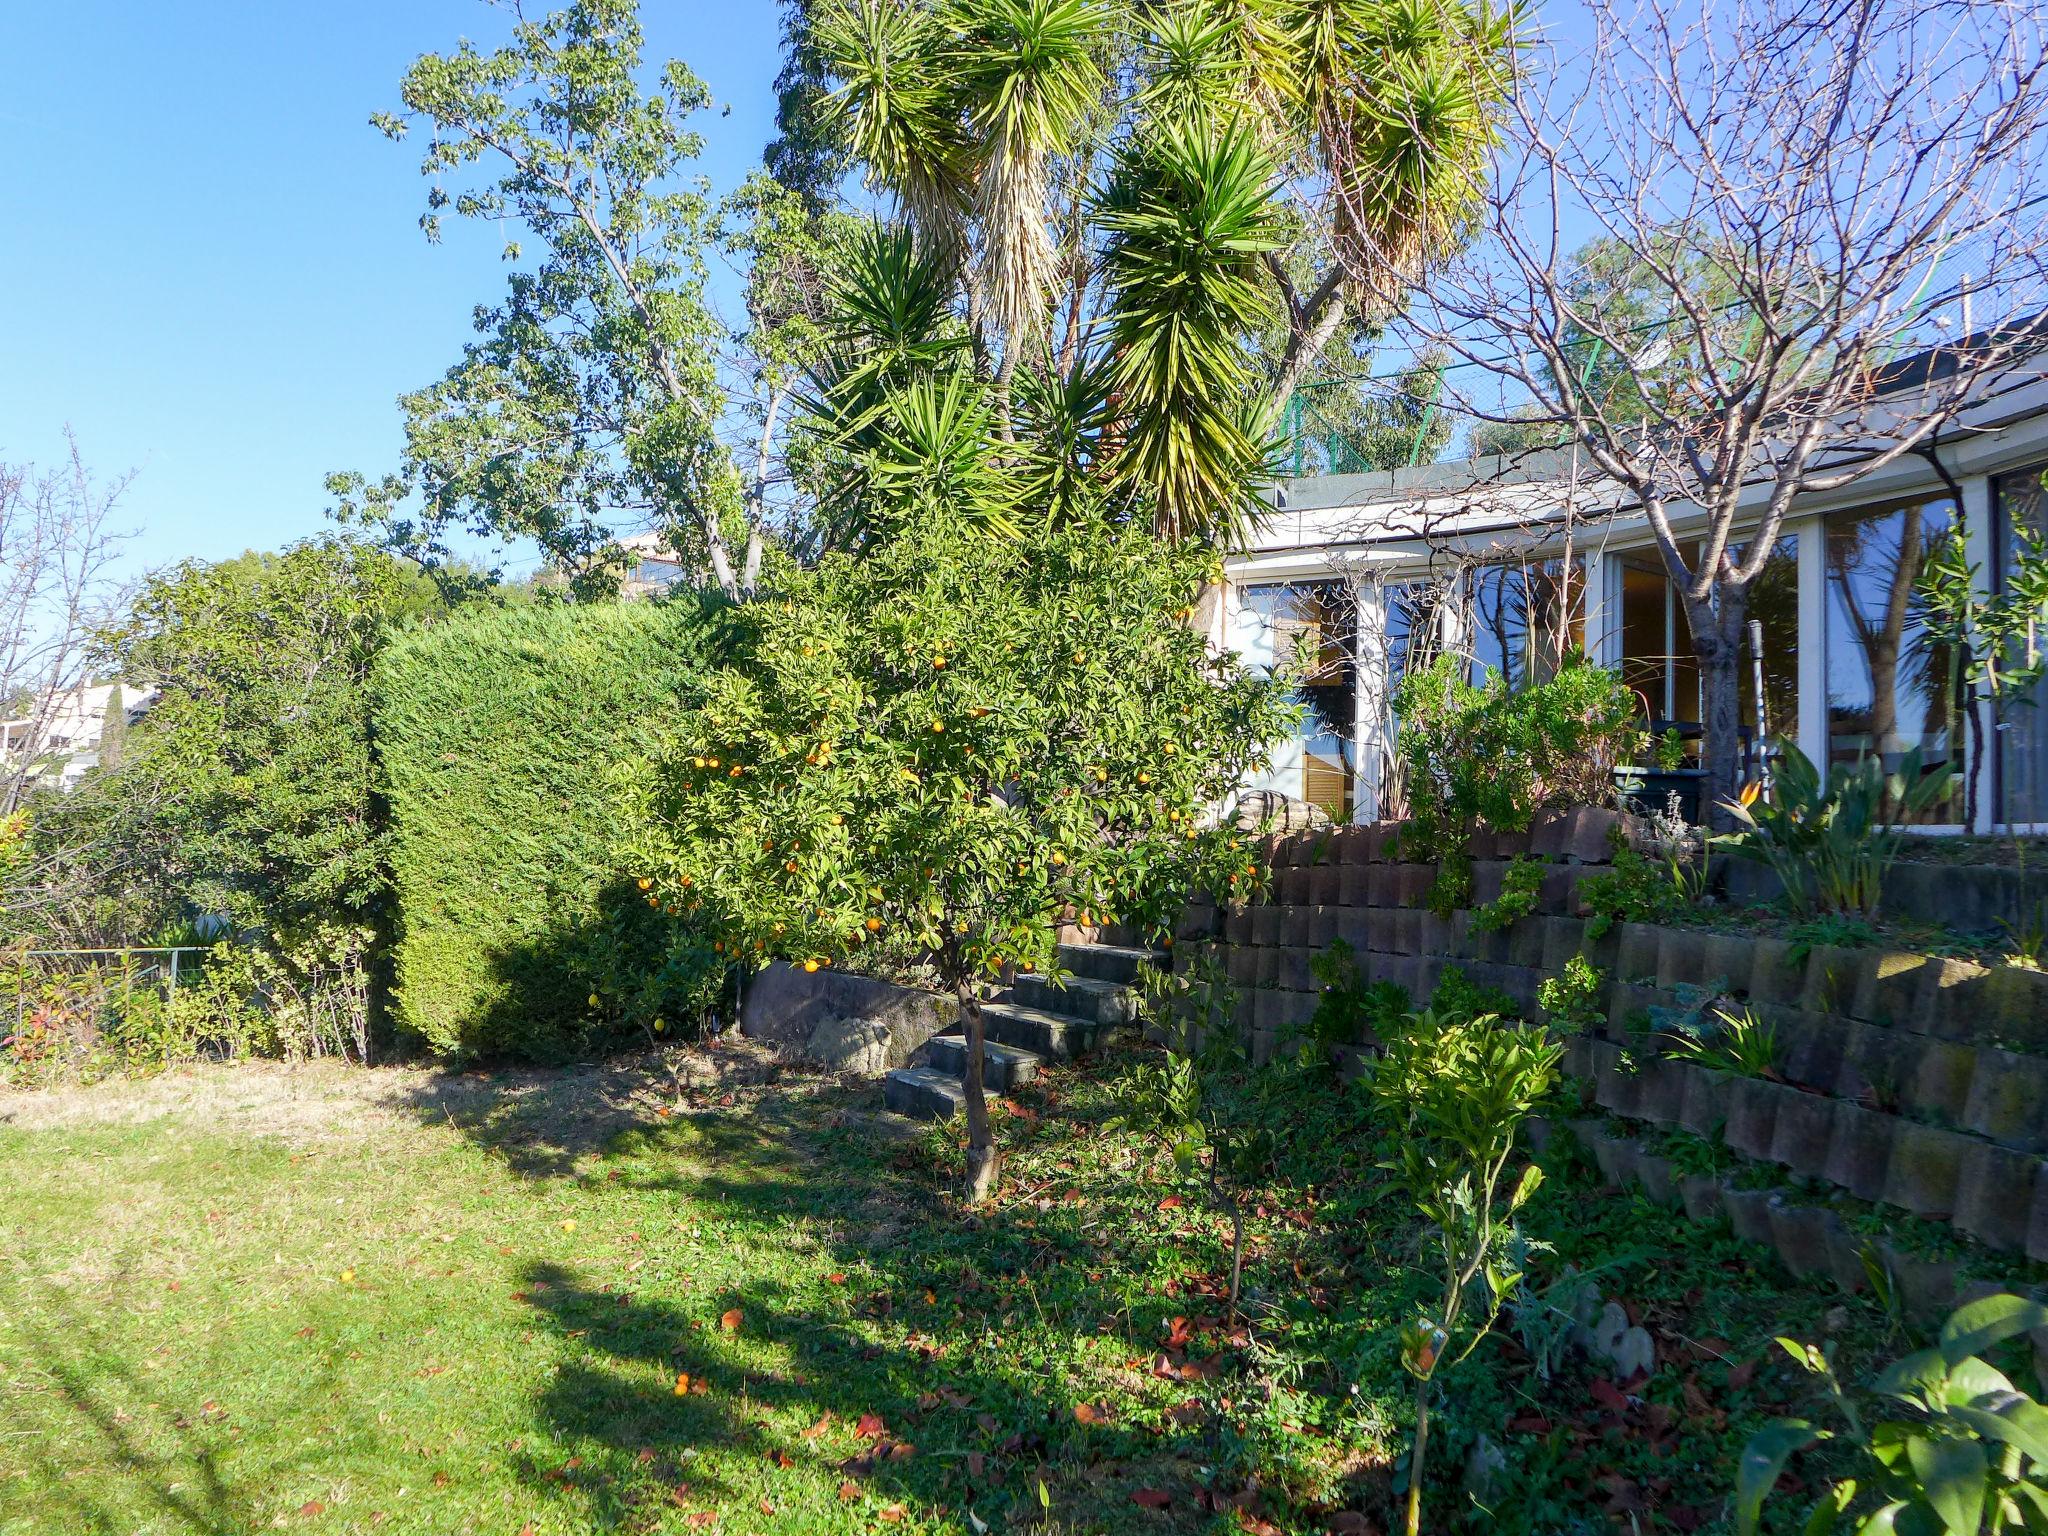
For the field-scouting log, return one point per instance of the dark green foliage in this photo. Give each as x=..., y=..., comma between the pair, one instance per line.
x=1521, y=885
x=1493, y=756
x=1459, y=999
x=498, y=736
x=1632, y=890
x=1350, y=1009
x=1574, y=999
x=244, y=794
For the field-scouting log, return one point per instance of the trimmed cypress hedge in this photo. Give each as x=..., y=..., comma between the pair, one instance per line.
x=498, y=734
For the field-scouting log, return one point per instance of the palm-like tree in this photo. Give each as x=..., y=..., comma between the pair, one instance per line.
x=1190, y=217
x=970, y=112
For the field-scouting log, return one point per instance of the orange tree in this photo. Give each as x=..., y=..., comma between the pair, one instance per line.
x=962, y=738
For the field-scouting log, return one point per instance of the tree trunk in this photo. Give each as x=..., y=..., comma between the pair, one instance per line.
x=1415, y=1461
x=1717, y=643
x=981, y=1152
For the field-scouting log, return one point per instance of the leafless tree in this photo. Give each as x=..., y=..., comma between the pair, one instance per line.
x=1832, y=223
x=57, y=548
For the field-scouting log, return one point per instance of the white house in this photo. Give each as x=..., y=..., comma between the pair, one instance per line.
x=1492, y=558
x=65, y=728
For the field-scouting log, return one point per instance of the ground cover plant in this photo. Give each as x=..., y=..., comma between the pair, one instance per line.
x=697, y=1292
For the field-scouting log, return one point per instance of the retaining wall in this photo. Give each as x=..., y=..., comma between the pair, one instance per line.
x=1916, y=1081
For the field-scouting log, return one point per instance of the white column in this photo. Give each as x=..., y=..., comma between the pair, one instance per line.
x=1369, y=682
x=1812, y=638
x=1603, y=610
x=1978, y=542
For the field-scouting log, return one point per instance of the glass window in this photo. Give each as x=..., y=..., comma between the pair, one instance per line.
x=1311, y=624
x=1891, y=688
x=2023, y=735
x=1656, y=643
x=1658, y=661
x=1519, y=625
x=1774, y=602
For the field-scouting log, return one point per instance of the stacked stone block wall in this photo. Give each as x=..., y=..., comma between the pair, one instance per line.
x=1912, y=1080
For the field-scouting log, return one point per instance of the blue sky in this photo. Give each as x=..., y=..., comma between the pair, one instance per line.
x=211, y=264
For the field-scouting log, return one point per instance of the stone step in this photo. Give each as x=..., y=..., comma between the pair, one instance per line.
x=923, y=1093
x=1078, y=997
x=1119, y=963
x=1054, y=1036
x=1003, y=1067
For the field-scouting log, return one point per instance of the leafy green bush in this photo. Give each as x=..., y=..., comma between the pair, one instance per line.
x=1349, y=1008
x=1632, y=890
x=1574, y=999
x=82, y=1020
x=521, y=928
x=1961, y=1450
x=1521, y=887
x=1488, y=755
x=1454, y=1094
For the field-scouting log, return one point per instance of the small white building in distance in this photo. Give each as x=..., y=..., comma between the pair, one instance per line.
x=64, y=729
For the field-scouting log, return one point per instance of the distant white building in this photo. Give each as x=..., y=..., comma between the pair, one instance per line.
x=653, y=565
x=64, y=730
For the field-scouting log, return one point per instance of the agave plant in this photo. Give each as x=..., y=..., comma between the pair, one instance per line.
x=1830, y=843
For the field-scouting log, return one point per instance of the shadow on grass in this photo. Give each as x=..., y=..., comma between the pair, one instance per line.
x=106, y=1402
x=543, y=1122
x=917, y=1352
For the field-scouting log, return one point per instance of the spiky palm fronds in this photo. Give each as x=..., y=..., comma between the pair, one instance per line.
x=888, y=310
x=1060, y=420
x=898, y=109
x=1189, y=215
x=1029, y=68
x=1400, y=102
x=901, y=421
x=1193, y=63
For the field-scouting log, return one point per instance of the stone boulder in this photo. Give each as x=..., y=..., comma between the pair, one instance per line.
x=841, y=1022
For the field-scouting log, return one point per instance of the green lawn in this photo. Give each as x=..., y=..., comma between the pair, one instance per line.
x=242, y=1299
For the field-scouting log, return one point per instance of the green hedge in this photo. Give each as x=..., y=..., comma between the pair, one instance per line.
x=499, y=735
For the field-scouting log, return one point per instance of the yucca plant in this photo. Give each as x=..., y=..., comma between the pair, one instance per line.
x=1830, y=843
x=1190, y=218
x=1031, y=76
x=1376, y=117
x=900, y=111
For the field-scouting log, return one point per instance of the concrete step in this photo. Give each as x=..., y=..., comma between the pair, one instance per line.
x=1052, y=1036
x=1078, y=997
x=923, y=1093
x=1003, y=1067
x=1119, y=963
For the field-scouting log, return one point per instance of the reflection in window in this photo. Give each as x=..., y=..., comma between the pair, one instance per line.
x=2023, y=737
x=1658, y=661
x=1519, y=626
x=1311, y=625
x=1891, y=688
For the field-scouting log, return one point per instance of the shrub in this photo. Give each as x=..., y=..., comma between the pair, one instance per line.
x=1830, y=841
x=1961, y=1449
x=1454, y=1094
x=521, y=930
x=1488, y=755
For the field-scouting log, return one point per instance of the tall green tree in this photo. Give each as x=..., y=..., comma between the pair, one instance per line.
x=590, y=401
x=246, y=793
